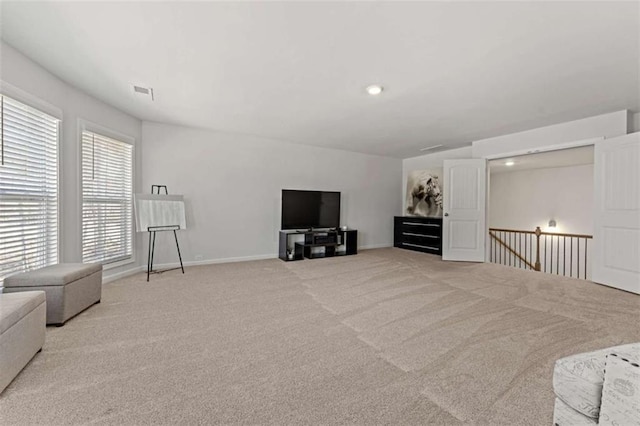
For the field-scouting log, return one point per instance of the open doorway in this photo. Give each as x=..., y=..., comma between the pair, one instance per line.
x=541, y=211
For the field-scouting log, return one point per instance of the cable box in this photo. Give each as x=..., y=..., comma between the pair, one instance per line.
x=324, y=239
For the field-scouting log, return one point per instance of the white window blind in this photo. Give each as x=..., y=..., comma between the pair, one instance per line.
x=28, y=188
x=107, y=186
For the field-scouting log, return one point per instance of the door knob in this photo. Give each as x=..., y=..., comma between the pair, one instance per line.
x=446, y=214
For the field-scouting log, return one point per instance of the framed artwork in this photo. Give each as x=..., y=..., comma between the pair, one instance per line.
x=424, y=193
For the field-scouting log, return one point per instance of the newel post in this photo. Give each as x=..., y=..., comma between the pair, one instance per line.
x=538, y=233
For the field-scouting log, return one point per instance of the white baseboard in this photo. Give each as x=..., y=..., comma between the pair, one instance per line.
x=375, y=246
x=156, y=266
x=247, y=258
x=214, y=261
x=107, y=278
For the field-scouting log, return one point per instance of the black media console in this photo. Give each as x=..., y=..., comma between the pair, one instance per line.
x=315, y=244
x=418, y=233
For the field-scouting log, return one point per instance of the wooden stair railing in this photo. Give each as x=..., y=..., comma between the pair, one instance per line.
x=517, y=248
x=512, y=251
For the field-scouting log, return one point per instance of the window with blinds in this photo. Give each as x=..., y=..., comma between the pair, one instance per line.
x=28, y=188
x=107, y=186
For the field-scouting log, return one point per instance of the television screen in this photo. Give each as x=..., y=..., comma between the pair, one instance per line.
x=310, y=209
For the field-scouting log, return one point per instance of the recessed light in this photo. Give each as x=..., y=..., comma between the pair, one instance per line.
x=509, y=163
x=374, y=89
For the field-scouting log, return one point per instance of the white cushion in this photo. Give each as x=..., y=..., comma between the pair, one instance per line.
x=621, y=392
x=578, y=379
x=15, y=306
x=53, y=275
x=563, y=415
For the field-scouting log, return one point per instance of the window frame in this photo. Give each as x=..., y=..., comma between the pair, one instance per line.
x=88, y=126
x=32, y=101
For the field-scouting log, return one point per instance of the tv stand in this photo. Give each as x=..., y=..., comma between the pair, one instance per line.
x=316, y=244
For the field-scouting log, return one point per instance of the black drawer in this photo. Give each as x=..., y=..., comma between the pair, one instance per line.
x=420, y=247
x=422, y=229
x=428, y=240
x=418, y=233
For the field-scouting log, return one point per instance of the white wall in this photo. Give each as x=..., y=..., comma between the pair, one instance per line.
x=232, y=182
x=26, y=76
x=232, y=186
x=426, y=162
x=605, y=125
x=525, y=199
x=634, y=122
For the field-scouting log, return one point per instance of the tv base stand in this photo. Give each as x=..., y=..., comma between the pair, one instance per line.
x=316, y=244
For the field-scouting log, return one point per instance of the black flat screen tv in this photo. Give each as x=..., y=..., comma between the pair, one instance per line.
x=310, y=209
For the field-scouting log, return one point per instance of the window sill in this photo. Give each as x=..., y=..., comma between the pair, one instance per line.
x=118, y=264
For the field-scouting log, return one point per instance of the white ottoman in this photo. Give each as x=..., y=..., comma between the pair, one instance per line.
x=70, y=288
x=22, y=327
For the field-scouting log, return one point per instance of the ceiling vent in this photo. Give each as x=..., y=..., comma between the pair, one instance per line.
x=431, y=148
x=144, y=91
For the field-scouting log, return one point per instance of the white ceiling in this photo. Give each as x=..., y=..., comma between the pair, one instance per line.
x=544, y=160
x=453, y=72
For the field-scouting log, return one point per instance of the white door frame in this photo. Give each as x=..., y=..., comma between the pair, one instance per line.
x=547, y=148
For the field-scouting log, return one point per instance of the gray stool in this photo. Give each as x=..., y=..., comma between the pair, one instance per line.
x=70, y=288
x=22, y=326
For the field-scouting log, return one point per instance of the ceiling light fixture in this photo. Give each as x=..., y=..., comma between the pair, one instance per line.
x=430, y=147
x=374, y=89
x=509, y=163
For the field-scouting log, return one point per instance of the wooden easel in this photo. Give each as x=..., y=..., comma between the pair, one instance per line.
x=155, y=189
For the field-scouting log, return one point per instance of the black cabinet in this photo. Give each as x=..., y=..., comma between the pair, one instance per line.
x=297, y=245
x=286, y=249
x=418, y=233
x=349, y=239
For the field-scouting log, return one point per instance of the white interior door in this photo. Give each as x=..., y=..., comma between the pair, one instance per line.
x=464, y=205
x=616, y=236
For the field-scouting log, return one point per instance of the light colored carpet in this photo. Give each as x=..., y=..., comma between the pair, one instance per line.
x=385, y=337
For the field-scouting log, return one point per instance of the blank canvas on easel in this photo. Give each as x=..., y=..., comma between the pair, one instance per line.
x=154, y=210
